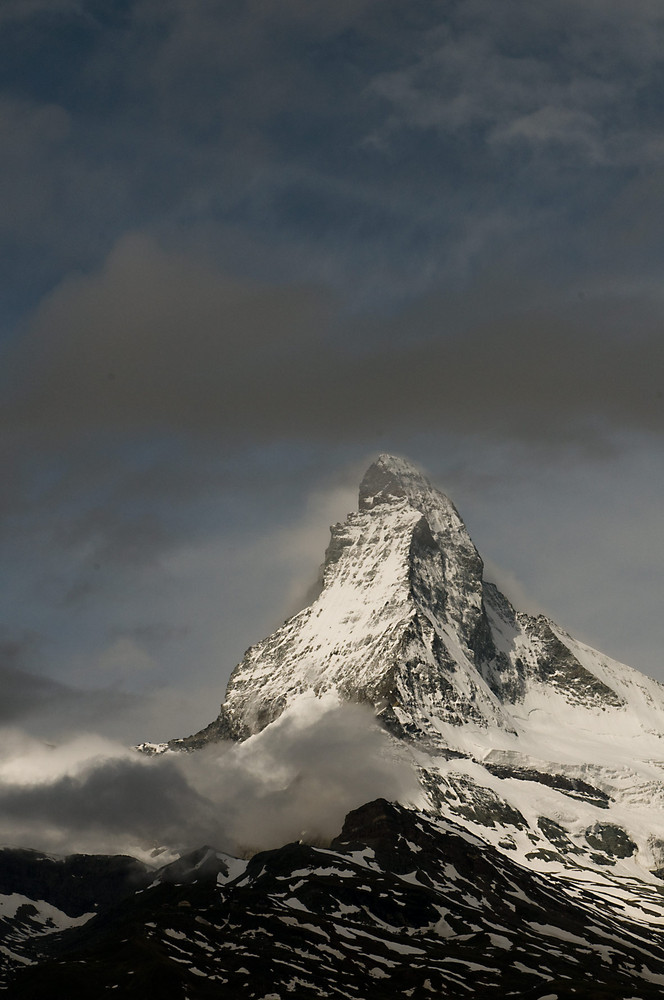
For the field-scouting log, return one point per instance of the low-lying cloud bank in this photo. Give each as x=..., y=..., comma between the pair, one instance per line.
x=295, y=780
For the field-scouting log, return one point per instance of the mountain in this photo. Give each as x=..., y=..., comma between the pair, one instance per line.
x=539, y=744
x=529, y=864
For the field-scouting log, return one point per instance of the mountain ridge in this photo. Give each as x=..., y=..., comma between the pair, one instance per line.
x=399, y=904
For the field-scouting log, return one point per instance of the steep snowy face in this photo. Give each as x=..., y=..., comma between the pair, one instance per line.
x=398, y=624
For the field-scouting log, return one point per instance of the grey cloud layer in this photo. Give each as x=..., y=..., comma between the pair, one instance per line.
x=565, y=74
x=53, y=709
x=378, y=147
x=157, y=343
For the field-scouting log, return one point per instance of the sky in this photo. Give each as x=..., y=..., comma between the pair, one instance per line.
x=245, y=248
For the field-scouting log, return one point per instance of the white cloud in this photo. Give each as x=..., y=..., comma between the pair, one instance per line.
x=555, y=125
x=297, y=779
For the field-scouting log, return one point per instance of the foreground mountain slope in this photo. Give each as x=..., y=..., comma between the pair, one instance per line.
x=398, y=905
x=536, y=742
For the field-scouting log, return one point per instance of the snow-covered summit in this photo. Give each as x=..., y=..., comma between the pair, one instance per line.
x=390, y=479
x=406, y=623
x=401, y=608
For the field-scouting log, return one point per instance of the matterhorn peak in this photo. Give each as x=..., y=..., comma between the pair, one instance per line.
x=400, y=609
x=405, y=622
x=391, y=479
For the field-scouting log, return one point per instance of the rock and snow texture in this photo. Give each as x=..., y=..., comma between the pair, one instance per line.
x=541, y=745
x=42, y=896
x=399, y=905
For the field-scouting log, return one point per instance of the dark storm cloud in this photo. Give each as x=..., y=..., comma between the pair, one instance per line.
x=100, y=699
x=154, y=333
x=53, y=708
x=154, y=634
x=168, y=114
x=155, y=343
x=23, y=692
x=567, y=78
x=354, y=139
x=31, y=135
x=114, y=797
x=26, y=10
x=409, y=139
